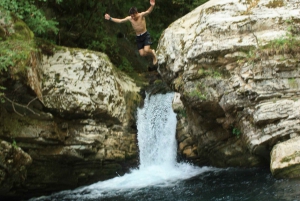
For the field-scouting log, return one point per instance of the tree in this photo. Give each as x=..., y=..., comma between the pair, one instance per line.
x=28, y=11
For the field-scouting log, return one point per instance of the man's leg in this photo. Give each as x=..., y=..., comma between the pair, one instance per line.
x=147, y=51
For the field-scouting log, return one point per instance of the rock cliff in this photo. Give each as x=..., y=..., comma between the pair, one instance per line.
x=235, y=65
x=73, y=125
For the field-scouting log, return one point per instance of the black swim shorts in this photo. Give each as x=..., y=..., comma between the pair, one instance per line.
x=143, y=40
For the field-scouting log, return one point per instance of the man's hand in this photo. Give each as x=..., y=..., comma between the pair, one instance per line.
x=107, y=16
x=152, y=2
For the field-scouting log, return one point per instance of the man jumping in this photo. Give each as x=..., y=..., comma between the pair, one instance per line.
x=138, y=23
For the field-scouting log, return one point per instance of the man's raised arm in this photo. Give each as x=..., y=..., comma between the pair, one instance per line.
x=116, y=20
x=147, y=12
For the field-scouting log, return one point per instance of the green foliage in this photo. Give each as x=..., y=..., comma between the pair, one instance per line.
x=15, y=56
x=158, y=82
x=41, y=25
x=28, y=11
x=2, y=94
x=106, y=44
x=182, y=113
x=101, y=46
x=293, y=83
x=14, y=144
x=284, y=44
x=209, y=72
x=82, y=24
x=216, y=74
x=125, y=65
x=188, y=5
x=236, y=132
x=288, y=44
x=197, y=94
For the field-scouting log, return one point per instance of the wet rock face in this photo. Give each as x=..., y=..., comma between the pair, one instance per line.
x=240, y=92
x=78, y=129
x=13, y=167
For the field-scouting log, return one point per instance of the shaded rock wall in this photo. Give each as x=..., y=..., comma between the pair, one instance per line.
x=14, y=163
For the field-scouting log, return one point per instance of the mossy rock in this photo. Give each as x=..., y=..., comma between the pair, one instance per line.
x=22, y=31
x=292, y=171
x=2, y=33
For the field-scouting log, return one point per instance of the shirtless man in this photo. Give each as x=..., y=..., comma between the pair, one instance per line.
x=138, y=23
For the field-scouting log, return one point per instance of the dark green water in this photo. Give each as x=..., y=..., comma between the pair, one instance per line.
x=218, y=185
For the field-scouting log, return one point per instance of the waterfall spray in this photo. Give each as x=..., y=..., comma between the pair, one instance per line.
x=158, y=167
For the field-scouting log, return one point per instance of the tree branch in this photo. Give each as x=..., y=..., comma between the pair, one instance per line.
x=20, y=105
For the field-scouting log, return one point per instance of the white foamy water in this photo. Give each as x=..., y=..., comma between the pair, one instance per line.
x=158, y=166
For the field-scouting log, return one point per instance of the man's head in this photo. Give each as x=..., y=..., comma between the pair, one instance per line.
x=133, y=12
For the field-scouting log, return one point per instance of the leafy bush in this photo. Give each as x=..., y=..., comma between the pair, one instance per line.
x=30, y=13
x=125, y=65
x=2, y=94
x=15, y=56
x=14, y=144
x=197, y=94
x=236, y=132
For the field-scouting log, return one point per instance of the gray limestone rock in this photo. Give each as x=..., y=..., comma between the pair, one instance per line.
x=240, y=92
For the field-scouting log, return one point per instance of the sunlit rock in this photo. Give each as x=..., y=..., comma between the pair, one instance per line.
x=84, y=83
x=285, y=159
x=239, y=87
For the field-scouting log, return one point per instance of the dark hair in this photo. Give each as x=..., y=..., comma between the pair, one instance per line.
x=133, y=10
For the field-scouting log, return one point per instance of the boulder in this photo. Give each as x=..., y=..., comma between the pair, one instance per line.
x=285, y=159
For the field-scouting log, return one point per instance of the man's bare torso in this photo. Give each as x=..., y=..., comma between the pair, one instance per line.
x=139, y=24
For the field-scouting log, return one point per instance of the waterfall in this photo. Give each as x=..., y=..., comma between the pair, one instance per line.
x=156, y=123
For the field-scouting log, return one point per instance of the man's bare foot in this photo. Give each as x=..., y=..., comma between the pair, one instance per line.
x=154, y=57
